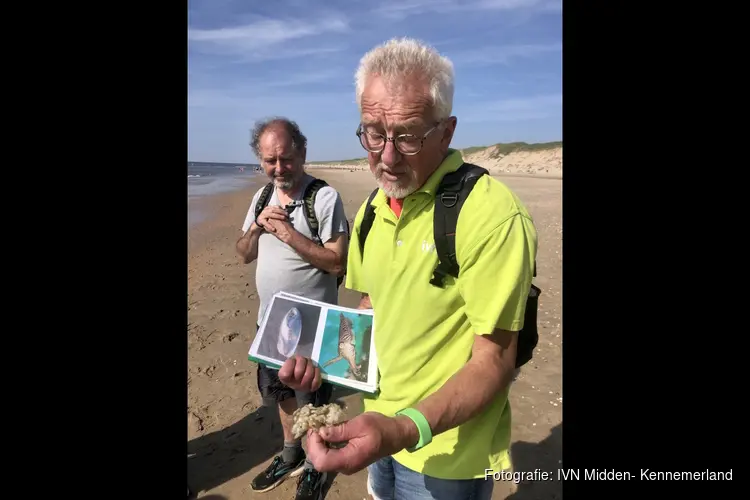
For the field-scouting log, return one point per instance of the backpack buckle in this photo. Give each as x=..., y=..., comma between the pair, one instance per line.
x=449, y=199
x=438, y=278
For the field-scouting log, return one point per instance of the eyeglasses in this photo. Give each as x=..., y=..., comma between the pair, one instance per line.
x=406, y=144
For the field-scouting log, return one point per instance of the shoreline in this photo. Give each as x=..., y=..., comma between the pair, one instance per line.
x=200, y=210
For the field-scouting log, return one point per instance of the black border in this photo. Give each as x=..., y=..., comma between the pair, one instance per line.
x=645, y=374
x=114, y=282
x=645, y=359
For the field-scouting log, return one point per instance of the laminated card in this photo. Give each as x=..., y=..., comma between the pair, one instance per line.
x=339, y=339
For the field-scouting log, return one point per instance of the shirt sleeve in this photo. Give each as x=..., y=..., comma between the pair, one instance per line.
x=329, y=210
x=250, y=217
x=496, y=273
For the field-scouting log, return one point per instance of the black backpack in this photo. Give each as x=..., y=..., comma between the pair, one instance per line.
x=308, y=199
x=451, y=194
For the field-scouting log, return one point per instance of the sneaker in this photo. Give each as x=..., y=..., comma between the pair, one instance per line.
x=310, y=485
x=276, y=473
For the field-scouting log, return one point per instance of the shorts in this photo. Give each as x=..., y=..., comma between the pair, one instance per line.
x=273, y=391
x=389, y=480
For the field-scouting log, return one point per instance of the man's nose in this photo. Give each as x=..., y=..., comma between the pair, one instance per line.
x=390, y=155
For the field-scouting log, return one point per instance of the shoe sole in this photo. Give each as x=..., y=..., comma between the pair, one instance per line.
x=294, y=473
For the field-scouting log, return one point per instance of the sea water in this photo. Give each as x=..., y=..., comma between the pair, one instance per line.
x=209, y=179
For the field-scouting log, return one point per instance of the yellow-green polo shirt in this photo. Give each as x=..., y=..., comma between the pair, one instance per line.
x=424, y=334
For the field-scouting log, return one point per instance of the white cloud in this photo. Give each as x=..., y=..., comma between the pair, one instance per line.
x=514, y=109
x=264, y=36
x=482, y=56
x=261, y=101
x=506, y=4
x=402, y=9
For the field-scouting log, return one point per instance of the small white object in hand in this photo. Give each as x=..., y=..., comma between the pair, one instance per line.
x=311, y=417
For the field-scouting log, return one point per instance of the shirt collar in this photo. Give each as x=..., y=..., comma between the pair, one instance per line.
x=450, y=164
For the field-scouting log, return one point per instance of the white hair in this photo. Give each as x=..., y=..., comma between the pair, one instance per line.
x=400, y=58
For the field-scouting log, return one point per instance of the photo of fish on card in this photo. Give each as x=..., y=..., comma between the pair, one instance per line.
x=289, y=329
x=345, y=350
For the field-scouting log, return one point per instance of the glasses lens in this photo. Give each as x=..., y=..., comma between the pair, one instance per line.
x=372, y=142
x=408, y=144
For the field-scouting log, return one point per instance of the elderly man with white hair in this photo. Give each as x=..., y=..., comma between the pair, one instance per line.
x=440, y=425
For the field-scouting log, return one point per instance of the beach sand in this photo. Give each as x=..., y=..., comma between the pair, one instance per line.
x=233, y=438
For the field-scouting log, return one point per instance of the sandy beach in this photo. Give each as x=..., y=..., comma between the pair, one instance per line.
x=233, y=438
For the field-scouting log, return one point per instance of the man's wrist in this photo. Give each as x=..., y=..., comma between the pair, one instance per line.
x=408, y=431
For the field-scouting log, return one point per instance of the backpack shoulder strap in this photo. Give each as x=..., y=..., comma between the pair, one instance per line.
x=263, y=199
x=308, y=198
x=450, y=196
x=367, y=219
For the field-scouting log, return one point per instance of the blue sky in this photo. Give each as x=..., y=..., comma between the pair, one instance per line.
x=297, y=58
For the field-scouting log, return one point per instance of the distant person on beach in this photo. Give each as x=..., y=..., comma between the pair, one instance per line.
x=446, y=353
x=290, y=261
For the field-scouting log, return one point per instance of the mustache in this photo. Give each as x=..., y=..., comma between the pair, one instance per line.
x=381, y=168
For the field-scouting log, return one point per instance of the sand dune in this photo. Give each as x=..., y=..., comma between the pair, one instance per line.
x=543, y=160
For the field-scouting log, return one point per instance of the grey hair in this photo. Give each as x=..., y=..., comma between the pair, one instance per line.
x=402, y=57
x=299, y=141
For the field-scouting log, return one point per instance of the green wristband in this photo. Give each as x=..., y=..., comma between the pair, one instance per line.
x=423, y=426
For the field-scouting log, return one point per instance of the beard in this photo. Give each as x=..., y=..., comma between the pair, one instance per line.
x=400, y=188
x=284, y=182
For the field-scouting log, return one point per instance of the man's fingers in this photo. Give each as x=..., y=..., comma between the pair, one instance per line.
x=286, y=372
x=277, y=216
x=316, y=449
x=300, y=367
x=322, y=457
x=345, y=460
x=338, y=433
x=265, y=224
x=317, y=380
x=309, y=377
x=270, y=225
x=275, y=213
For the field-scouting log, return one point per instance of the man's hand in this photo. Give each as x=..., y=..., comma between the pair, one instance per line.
x=368, y=437
x=282, y=229
x=364, y=302
x=300, y=374
x=269, y=215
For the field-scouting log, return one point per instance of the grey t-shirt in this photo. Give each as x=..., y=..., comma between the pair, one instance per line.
x=280, y=268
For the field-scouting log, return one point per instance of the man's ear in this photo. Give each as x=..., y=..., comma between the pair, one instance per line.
x=448, y=130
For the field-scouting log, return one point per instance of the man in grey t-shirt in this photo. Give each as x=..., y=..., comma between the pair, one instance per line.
x=289, y=260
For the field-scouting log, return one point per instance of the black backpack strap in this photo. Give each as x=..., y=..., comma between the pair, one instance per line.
x=451, y=194
x=367, y=219
x=309, y=206
x=263, y=199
